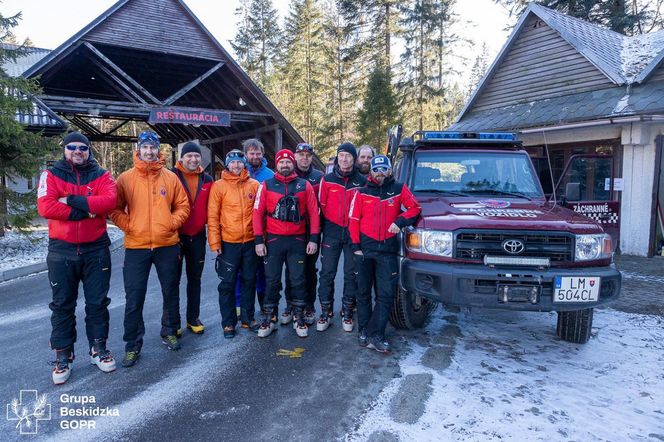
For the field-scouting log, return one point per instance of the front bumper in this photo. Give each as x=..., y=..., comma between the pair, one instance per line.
x=476, y=285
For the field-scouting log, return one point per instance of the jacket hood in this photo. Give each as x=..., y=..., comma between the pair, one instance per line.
x=148, y=167
x=285, y=179
x=373, y=183
x=68, y=166
x=229, y=177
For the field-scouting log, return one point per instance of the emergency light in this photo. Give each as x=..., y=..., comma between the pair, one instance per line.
x=449, y=135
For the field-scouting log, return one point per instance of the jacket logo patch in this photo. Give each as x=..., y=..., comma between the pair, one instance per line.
x=391, y=201
x=250, y=196
x=89, y=190
x=390, y=193
x=356, y=184
x=334, y=190
x=163, y=191
x=203, y=189
x=41, y=190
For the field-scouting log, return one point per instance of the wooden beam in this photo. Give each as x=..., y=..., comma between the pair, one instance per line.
x=122, y=73
x=124, y=89
x=246, y=133
x=173, y=98
x=110, y=132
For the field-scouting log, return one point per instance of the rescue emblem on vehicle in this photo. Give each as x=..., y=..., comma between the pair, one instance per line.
x=495, y=204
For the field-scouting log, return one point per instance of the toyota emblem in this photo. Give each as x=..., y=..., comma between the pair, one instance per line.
x=513, y=246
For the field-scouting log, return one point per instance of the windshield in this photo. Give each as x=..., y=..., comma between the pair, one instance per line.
x=475, y=173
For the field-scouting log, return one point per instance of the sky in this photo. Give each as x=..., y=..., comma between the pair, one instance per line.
x=49, y=23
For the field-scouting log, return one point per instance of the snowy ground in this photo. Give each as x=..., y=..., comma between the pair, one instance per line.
x=505, y=376
x=17, y=250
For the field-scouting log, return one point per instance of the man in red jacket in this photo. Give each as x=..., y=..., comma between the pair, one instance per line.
x=375, y=219
x=197, y=185
x=75, y=195
x=284, y=206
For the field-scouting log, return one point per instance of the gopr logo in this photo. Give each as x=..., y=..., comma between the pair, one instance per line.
x=495, y=204
x=28, y=410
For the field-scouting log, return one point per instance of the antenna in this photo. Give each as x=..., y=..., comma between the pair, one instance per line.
x=548, y=159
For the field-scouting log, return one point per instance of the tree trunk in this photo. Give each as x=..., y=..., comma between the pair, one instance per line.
x=3, y=206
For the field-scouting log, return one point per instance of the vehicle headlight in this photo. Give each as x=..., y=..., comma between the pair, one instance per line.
x=432, y=242
x=589, y=247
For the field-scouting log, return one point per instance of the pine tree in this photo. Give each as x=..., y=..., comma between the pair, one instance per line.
x=21, y=152
x=480, y=66
x=379, y=110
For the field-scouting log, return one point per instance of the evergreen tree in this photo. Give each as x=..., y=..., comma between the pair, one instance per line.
x=257, y=40
x=379, y=110
x=480, y=66
x=21, y=153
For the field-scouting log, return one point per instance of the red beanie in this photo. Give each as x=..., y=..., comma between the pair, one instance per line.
x=284, y=153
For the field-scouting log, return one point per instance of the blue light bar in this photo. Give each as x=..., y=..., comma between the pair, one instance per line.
x=448, y=135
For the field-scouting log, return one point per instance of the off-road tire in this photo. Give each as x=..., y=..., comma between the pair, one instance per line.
x=406, y=314
x=575, y=326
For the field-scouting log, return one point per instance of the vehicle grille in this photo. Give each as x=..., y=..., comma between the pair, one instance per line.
x=472, y=245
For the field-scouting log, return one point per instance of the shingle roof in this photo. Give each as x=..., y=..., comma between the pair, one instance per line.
x=22, y=63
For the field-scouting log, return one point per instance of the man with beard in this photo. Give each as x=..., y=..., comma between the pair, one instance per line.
x=197, y=185
x=304, y=155
x=75, y=195
x=337, y=189
x=364, y=155
x=375, y=219
x=284, y=206
x=151, y=207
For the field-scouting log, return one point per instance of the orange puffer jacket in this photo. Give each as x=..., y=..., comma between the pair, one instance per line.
x=230, y=209
x=151, y=206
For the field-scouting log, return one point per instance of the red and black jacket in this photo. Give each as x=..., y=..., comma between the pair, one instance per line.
x=314, y=176
x=374, y=208
x=195, y=224
x=335, y=195
x=270, y=192
x=89, y=189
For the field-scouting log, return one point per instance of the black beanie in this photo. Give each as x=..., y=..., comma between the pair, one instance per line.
x=348, y=147
x=190, y=146
x=75, y=137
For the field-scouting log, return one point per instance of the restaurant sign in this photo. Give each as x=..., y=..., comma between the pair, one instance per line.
x=173, y=115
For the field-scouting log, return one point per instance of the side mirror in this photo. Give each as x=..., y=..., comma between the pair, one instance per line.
x=573, y=191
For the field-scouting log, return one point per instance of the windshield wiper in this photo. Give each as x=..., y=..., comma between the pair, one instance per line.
x=502, y=192
x=448, y=192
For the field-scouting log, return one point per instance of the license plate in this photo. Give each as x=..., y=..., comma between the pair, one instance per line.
x=576, y=288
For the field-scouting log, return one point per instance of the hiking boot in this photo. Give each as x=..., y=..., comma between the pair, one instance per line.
x=325, y=320
x=101, y=357
x=178, y=333
x=267, y=326
x=62, y=365
x=301, y=327
x=229, y=332
x=379, y=344
x=130, y=358
x=347, y=319
x=171, y=342
x=362, y=338
x=309, y=315
x=287, y=316
x=195, y=326
x=251, y=326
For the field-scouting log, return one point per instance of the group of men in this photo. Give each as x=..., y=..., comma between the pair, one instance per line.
x=257, y=221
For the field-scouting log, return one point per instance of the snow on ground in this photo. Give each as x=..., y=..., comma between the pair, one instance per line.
x=18, y=250
x=508, y=377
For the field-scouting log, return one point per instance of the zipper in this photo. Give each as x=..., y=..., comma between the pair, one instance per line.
x=150, y=207
x=78, y=223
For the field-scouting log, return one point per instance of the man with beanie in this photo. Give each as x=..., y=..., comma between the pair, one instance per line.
x=284, y=206
x=337, y=189
x=376, y=217
x=197, y=185
x=231, y=236
x=304, y=154
x=364, y=155
x=75, y=195
x=152, y=205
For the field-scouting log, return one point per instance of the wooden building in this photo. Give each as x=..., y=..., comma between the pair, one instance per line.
x=573, y=88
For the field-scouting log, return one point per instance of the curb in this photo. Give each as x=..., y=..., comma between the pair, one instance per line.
x=10, y=274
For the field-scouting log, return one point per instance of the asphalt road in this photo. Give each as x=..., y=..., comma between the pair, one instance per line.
x=212, y=389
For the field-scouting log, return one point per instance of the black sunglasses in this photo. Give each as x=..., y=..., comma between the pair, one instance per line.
x=73, y=147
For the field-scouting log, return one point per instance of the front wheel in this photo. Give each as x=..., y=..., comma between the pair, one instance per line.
x=575, y=326
x=410, y=311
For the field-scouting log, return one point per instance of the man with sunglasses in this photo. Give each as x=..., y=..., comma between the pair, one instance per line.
x=304, y=155
x=376, y=216
x=151, y=207
x=75, y=195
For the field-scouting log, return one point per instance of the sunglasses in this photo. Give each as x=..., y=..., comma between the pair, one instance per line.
x=304, y=147
x=380, y=169
x=73, y=147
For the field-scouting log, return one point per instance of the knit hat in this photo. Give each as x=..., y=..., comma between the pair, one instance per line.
x=235, y=155
x=380, y=162
x=348, y=147
x=148, y=137
x=190, y=146
x=75, y=137
x=284, y=153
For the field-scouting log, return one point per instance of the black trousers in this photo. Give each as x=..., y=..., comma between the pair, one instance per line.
x=331, y=250
x=193, y=252
x=384, y=270
x=289, y=250
x=65, y=272
x=137, y=264
x=310, y=281
x=236, y=256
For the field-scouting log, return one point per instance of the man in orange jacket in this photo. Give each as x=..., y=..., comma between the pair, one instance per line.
x=151, y=207
x=231, y=235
